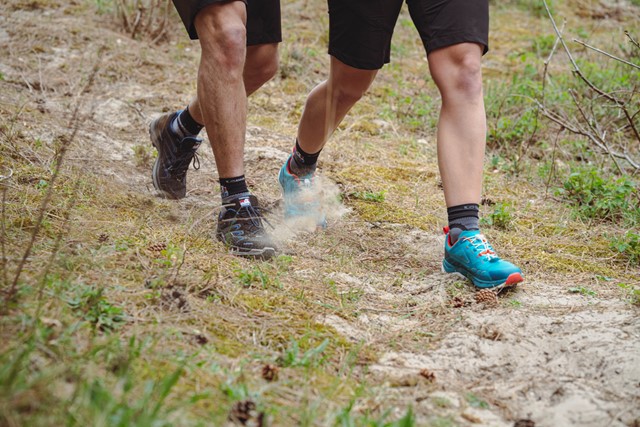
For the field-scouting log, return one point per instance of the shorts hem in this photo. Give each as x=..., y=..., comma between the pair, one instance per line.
x=355, y=62
x=453, y=39
x=263, y=39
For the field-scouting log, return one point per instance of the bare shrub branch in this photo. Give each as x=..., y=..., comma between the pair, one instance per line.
x=592, y=133
x=633, y=41
x=606, y=53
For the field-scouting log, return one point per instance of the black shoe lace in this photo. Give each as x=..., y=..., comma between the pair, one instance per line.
x=186, y=153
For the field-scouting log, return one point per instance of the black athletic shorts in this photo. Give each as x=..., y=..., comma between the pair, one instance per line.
x=360, y=30
x=263, y=18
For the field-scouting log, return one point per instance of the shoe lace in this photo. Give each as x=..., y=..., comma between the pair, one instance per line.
x=481, y=245
x=249, y=218
x=186, y=153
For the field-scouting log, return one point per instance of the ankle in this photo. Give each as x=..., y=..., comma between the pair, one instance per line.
x=462, y=218
x=231, y=188
x=184, y=125
x=302, y=163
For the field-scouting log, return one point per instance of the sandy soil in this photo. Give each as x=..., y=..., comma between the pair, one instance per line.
x=558, y=358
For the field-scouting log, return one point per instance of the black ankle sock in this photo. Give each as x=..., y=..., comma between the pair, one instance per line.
x=461, y=218
x=303, y=163
x=185, y=124
x=233, y=186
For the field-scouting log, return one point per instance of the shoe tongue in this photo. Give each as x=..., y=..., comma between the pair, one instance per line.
x=470, y=233
x=190, y=143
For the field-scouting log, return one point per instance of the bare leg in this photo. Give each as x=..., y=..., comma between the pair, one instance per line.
x=221, y=103
x=260, y=66
x=462, y=127
x=329, y=102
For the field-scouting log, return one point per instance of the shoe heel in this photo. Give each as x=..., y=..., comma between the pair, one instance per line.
x=447, y=267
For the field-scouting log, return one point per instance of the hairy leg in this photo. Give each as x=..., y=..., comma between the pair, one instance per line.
x=226, y=64
x=260, y=66
x=462, y=126
x=329, y=102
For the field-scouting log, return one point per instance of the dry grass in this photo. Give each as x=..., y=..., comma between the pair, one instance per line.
x=331, y=312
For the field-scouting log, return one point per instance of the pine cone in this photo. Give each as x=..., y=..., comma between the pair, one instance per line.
x=246, y=414
x=103, y=238
x=458, y=301
x=487, y=297
x=157, y=247
x=174, y=299
x=270, y=372
x=428, y=375
x=201, y=338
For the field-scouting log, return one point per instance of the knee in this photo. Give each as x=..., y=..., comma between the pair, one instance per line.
x=468, y=76
x=223, y=42
x=351, y=89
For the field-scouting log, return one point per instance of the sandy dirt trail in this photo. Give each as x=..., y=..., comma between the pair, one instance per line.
x=553, y=357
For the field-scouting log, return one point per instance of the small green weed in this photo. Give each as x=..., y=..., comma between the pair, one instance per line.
x=633, y=293
x=456, y=289
x=501, y=216
x=475, y=402
x=94, y=307
x=583, y=291
x=515, y=303
x=170, y=256
x=235, y=388
x=255, y=275
x=284, y=261
x=629, y=246
x=42, y=184
x=311, y=358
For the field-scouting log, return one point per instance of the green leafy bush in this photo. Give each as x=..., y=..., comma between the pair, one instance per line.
x=629, y=246
x=595, y=197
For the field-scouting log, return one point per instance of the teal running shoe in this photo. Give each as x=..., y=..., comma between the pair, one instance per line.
x=301, y=197
x=473, y=257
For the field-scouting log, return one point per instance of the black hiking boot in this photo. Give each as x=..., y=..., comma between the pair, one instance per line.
x=169, y=172
x=240, y=228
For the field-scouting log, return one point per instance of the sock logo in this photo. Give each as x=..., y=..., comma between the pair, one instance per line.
x=245, y=202
x=298, y=157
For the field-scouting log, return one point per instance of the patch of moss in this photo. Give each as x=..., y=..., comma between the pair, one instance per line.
x=370, y=174
x=223, y=338
x=386, y=212
x=268, y=303
x=568, y=264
